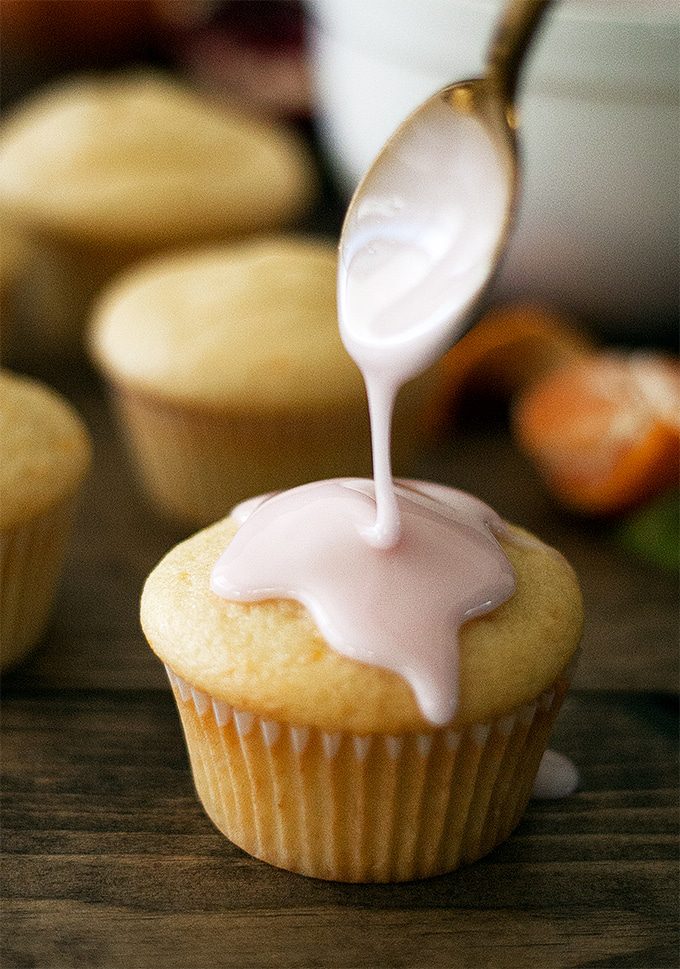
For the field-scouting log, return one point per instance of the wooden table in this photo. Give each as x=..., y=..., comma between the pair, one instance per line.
x=110, y=862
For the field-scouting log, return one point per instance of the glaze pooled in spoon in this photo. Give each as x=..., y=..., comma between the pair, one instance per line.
x=419, y=243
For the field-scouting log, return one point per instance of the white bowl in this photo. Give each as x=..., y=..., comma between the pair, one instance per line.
x=599, y=223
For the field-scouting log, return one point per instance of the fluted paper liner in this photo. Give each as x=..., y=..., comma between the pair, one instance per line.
x=363, y=809
x=195, y=463
x=31, y=556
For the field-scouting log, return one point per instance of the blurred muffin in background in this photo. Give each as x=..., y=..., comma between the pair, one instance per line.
x=46, y=453
x=14, y=260
x=230, y=378
x=100, y=171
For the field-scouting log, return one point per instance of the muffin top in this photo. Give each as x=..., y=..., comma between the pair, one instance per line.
x=252, y=325
x=45, y=449
x=137, y=159
x=270, y=659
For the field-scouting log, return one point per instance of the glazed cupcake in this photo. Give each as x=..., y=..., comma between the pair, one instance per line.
x=333, y=767
x=230, y=378
x=99, y=171
x=46, y=453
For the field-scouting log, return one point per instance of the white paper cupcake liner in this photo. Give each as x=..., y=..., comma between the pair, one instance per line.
x=363, y=808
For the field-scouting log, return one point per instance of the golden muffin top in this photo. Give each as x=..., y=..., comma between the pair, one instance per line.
x=252, y=325
x=138, y=159
x=45, y=449
x=269, y=658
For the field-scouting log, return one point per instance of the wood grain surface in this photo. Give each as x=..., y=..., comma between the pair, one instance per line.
x=108, y=860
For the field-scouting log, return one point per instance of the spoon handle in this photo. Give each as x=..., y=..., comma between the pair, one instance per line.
x=511, y=39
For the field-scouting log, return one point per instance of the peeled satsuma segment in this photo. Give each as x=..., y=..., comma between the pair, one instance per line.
x=604, y=432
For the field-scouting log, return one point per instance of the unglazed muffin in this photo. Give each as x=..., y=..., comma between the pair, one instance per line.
x=46, y=453
x=327, y=766
x=230, y=377
x=99, y=171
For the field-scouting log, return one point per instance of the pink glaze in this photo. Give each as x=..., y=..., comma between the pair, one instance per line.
x=420, y=241
x=418, y=245
x=398, y=608
x=557, y=777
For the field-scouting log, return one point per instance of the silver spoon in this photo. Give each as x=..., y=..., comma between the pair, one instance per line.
x=424, y=233
x=427, y=224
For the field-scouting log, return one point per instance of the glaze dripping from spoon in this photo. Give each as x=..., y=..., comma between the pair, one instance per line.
x=423, y=235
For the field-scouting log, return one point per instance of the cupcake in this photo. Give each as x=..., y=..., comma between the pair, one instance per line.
x=230, y=378
x=46, y=453
x=99, y=171
x=333, y=766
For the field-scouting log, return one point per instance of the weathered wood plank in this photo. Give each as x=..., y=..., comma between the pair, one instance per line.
x=106, y=937
x=109, y=860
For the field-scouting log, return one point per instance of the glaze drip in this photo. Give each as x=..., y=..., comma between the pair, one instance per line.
x=399, y=608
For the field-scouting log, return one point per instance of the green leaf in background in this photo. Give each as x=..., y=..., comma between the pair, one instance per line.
x=654, y=532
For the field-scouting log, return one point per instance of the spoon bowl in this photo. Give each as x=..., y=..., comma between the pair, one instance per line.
x=427, y=224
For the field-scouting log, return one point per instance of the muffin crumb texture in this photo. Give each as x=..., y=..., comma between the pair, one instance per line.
x=270, y=659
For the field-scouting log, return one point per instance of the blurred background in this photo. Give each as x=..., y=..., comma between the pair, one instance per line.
x=249, y=49
x=560, y=408
x=599, y=222
x=593, y=262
